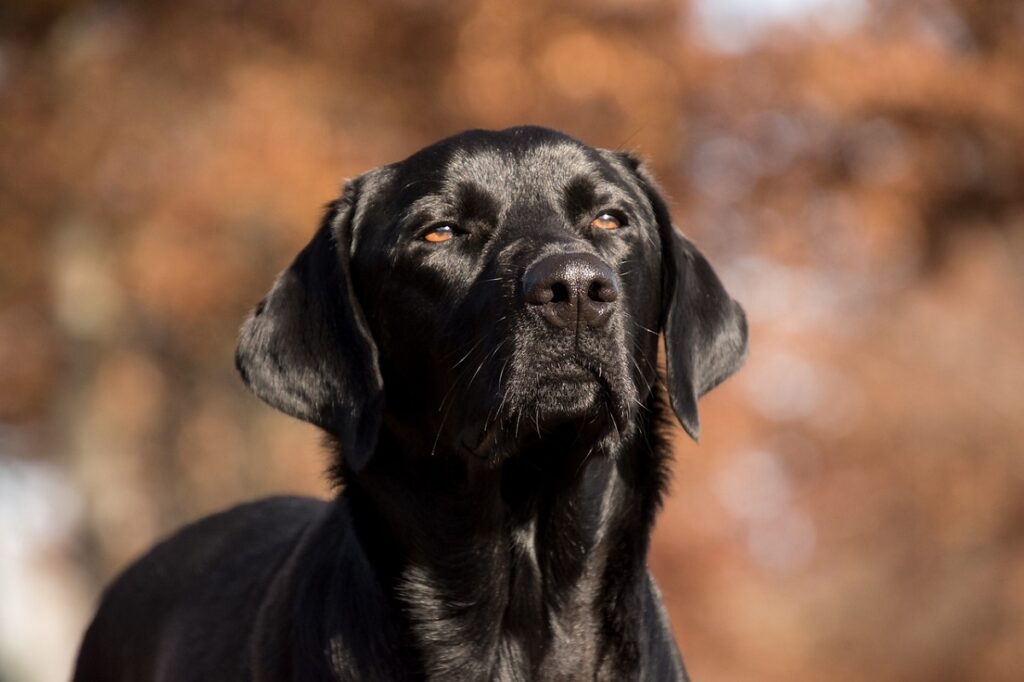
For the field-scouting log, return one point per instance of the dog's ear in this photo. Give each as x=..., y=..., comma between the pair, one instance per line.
x=705, y=329
x=306, y=349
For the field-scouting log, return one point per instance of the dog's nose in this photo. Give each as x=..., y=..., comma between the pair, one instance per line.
x=572, y=289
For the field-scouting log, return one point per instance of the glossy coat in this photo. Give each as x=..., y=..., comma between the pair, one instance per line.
x=500, y=458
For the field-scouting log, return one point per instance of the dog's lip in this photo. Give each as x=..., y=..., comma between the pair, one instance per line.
x=556, y=385
x=572, y=379
x=575, y=373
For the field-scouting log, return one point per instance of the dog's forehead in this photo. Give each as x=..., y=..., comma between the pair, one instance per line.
x=548, y=166
x=494, y=175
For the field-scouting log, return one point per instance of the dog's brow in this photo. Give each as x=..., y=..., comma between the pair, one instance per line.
x=476, y=203
x=435, y=205
x=579, y=197
x=590, y=192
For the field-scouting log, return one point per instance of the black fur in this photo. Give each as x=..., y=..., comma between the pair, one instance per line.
x=501, y=473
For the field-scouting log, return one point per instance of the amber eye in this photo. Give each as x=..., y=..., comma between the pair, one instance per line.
x=440, y=233
x=606, y=221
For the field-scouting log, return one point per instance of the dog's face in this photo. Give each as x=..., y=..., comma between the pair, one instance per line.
x=508, y=280
x=487, y=291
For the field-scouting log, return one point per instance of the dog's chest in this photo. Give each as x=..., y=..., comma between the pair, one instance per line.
x=519, y=632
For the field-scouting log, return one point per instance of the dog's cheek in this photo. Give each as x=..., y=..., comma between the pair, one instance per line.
x=643, y=297
x=641, y=328
x=398, y=315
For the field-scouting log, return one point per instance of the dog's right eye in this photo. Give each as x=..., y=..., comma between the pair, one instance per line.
x=607, y=221
x=439, y=233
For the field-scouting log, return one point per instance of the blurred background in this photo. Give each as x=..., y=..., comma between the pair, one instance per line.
x=853, y=168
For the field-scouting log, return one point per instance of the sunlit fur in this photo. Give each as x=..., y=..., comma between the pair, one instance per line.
x=498, y=474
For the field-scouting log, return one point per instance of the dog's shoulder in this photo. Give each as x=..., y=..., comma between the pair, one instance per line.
x=243, y=536
x=212, y=571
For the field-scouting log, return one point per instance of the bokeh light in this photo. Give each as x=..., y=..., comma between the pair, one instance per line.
x=853, y=168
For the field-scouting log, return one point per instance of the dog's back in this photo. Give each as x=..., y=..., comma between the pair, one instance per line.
x=186, y=609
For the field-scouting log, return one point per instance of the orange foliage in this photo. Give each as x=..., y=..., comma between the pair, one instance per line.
x=856, y=508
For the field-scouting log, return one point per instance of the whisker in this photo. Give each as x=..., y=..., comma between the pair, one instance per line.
x=440, y=428
x=469, y=352
x=504, y=394
x=629, y=317
x=653, y=368
x=440, y=405
x=585, y=458
x=615, y=423
x=640, y=374
x=455, y=384
x=631, y=136
x=484, y=361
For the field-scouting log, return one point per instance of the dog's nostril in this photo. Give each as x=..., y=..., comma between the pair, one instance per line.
x=559, y=293
x=540, y=295
x=602, y=291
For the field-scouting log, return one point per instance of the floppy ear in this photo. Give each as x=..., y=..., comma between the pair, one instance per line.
x=306, y=349
x=705, y=330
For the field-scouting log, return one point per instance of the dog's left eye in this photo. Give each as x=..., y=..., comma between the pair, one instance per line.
x=606, y=221
x=439, y=233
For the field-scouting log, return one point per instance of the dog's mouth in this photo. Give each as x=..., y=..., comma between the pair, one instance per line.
x=571, y=392
x=578, y=394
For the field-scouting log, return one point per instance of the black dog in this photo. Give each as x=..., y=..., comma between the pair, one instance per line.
x=477, y=329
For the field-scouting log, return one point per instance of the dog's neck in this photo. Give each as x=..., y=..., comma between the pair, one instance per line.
x=512, y=565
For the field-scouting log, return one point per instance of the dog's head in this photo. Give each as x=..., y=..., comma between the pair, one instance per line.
x=488, y=290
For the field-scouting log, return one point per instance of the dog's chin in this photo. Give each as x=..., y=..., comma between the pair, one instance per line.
x=558, y=401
